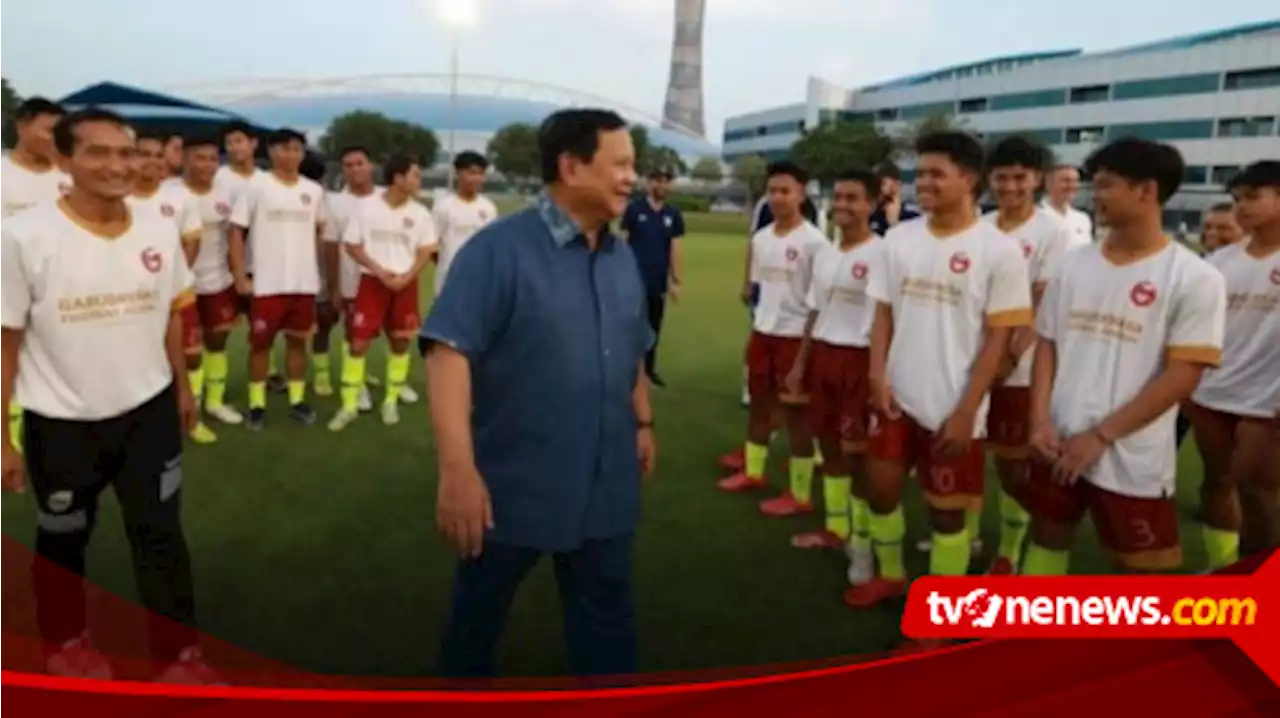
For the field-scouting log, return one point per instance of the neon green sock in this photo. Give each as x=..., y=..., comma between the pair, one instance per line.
x=195, y=377
x=973, y=523
x=950, y=554
x=835, y=496
x=215, y=377
x=860, y=524
x=1041, y=561
x=257, y=395
x=297, y=391
x=320, y=365
x=352, y=382
x=1014, y=521
x=15, y=425
x=757, y=456
x=397, y=375
x=887, y=532
x=271, y=363
x=802, y=479
x=1222, y=547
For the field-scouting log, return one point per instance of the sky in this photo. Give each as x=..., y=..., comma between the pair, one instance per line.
x=757, y=53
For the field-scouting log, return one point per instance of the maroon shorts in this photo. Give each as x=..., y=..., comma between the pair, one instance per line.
x=377, y=308
x=840, y=395
x=1009, y=422
x=192, y=337
x=1141, y=534
x=950, y=483
x=769, y=361
x=219, y=311
x=294, y=314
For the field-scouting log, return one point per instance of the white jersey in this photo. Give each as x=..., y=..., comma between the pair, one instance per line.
x=1044, y=239
x=1113, y=328
x=95, y=310
x=391, y=236
x=173, y=203
x=838, y=293
x=1078, y=223
x=340, y=208
x=944, y=294
x=783, y=265
x=233, y=183
x=1248, y=382
x=21, y=187
x=283, y=220
x=212, y=267
x=456, y=221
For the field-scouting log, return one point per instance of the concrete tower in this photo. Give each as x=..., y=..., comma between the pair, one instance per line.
x=684, y=89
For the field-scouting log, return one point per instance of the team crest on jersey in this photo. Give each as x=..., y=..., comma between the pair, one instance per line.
x=1026, y=250
x=667, y=221
x=959, y=263
x=166, y=210
x=643, y=217
x=152, y=260
x=223, y=209
x=1275, y=275
x=306, y=199
x=859, y=270
x=64, y=188
x=1143, y=294
x=484, y=215
x=408, y=222
x=792, y=254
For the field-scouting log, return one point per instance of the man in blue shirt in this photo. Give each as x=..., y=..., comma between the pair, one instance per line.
x=653, y=229
x=892, y=208
x=540, y=404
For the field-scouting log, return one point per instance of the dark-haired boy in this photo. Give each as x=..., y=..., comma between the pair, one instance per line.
x=1127, y=327
x=29, y=173
x=462, y=213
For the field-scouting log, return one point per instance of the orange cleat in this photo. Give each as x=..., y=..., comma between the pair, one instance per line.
x=818, y=540
x=734, y=460
x=784, y=506
x=1001, y=567
x=739, y=483
x=874, y=592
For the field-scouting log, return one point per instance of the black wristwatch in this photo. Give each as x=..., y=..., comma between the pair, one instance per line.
x=641, y=425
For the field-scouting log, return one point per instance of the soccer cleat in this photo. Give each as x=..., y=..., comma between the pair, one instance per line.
x=365, y=402
x=1001, y=567
x=862, y=566
x=276, y=384
x=925, y=545
x=226, y=414
x=190, y=670
x=257, y=420
x=746, y=398
x=734, y=460
x=202, y=434
x=817, y=540
x=342, y=419
x=302, y=414
x=874, y=592
x=408, y=395
x=739, y=483
x=784, y=506
x=322, y=386
x=390, y=413
x=78, y=658
x=372, y=380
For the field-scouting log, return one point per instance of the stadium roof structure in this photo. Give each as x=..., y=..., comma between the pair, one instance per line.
x=147, y=106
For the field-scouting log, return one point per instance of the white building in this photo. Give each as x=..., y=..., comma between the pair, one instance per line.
x=1215, y=96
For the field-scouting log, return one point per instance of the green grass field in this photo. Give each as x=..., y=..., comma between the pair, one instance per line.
x=320, y=550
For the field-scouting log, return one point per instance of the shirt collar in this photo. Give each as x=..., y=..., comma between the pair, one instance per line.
x=563, y=229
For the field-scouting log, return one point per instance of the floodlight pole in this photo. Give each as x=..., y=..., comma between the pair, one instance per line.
x=453, y=106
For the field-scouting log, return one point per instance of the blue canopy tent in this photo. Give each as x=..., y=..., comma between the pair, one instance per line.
x=153, y=110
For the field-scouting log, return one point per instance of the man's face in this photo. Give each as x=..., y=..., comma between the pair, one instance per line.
x=173, y=153
x=36, y=135
x=471, y=179
x=941, y=183
x=149, y=161
x=1117, y=201
x=102, y=161
x=240, y=147
x=410, y=182
x=1256, y=207
x=200, y=163
x=606, y=181
x=659, y=187
x=1063, y=185
x=786, y=194
x=1220, y=229
x=357, y=170
x=1014, y=187
x=889, y=188
x=286, y=156
x=850, y=205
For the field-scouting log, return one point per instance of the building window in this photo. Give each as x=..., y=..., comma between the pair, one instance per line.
x=1166, y=86
x=887, y=114
x=928, y=109
x=849, y=116
x=1195, y=174
x=1090, y=93
x=1223, y=174
x=1160, y=131
x=1085, y=135
x=1023, y=100
x=973, y=104
x=1253, y=79
x=1048, y=136
x=1245, y=126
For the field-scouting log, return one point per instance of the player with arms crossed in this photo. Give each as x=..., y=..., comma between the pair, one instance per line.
x=458, y=216
x=832, y=361
x=1233, y=408
x=92, y=291
x=391, y=240
x=1015, y=168
x=782, y=262
x=952, y=292
x=1127, y=327
x=280, y=212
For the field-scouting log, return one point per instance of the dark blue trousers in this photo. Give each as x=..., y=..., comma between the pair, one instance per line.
x=595, y=595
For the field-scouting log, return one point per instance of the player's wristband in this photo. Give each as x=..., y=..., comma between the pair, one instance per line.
x=642, y=425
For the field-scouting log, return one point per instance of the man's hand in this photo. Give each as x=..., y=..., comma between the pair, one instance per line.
x=463, y=510
x=15, y=475
x=388, y=279
x=955, y=436
x=746, y=294
x=335, y=299
x=882, y=399
x=1045, y=441
x=188, y=413
x=794, y=383
x=1079, y=454
x=673, y=292
x=647, y=449
x=244, y=286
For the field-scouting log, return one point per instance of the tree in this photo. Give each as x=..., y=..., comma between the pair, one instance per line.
x=643, y=147
x=707, y=170
x=834, y=147
x=749, y=171
x=381, y=136
x=663, y=158
x=513, y=150
x=906, y=140
x=10, y=101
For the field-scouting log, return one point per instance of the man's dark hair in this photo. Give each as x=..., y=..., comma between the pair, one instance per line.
x=150, y=134
x=1019, y=151
x=353, y=149
x=201, y=139
x=313, y=167
x=869, y=181
x=468, y=159
x=962, y=148
x=235, y=126
x=1222, y=207
x=64, y=133
x=888, y=170
x=284, y=136
x=788, y=168
x=34, y=107
x=1265, y=173
x=576, y=132
x=661, y=173
x=1139, y=160
x=396, y=166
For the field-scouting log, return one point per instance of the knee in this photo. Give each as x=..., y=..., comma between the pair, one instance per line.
x=946, y=521
x=399, y=346
x=1051, y=535
x=358, y=347
x=194, y=362
x=215, y=342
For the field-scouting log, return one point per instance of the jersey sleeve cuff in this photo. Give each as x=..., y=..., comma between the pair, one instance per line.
x=1010, y=318
x=185, y=298
x=1196, y=354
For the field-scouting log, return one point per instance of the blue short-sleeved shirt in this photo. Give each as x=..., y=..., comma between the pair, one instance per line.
x=650, y=232
x=555, y=335
x=880, y=222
